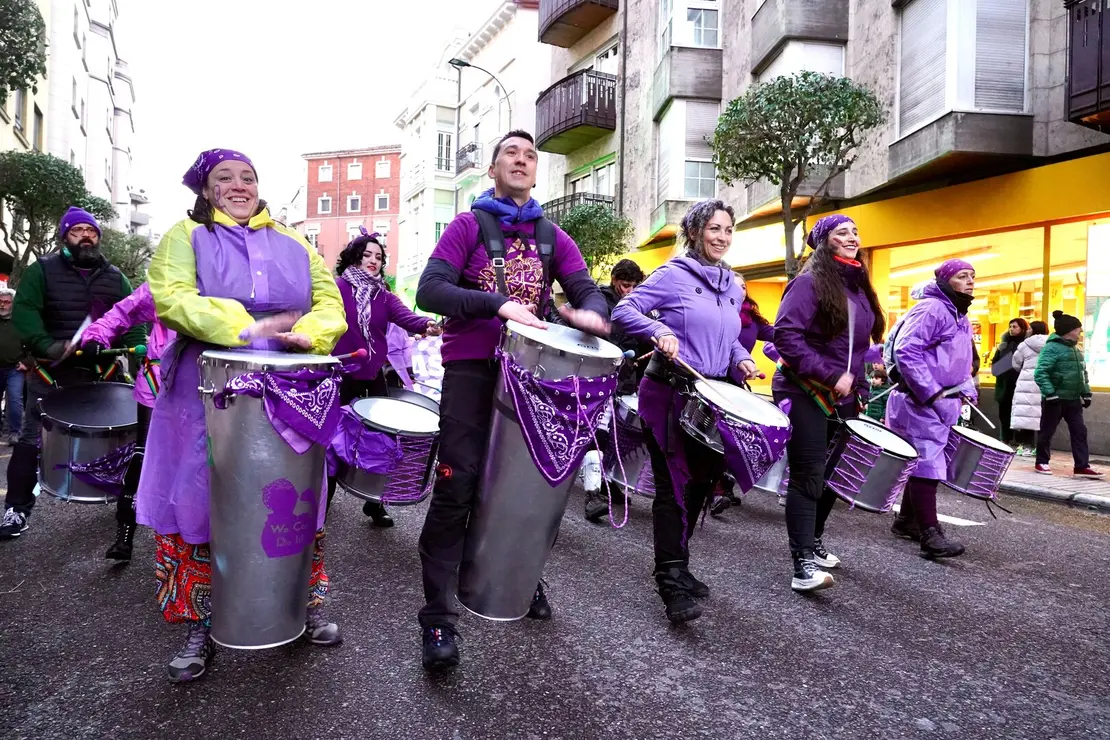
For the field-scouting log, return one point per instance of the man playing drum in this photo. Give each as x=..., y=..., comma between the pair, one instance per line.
x=56, y=295
x=477, y=294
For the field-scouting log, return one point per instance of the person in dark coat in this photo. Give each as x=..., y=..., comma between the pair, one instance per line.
x=1006, y=381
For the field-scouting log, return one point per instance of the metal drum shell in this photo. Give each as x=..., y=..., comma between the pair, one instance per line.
x=775, y=480
x=964, y=458
x=699, y=422
x=875, y=490
x=516, y=513
x=370, y=486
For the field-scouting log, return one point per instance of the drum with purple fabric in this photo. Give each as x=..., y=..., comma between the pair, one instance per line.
x=868, y=465
x=976, y=463
x=627, y=463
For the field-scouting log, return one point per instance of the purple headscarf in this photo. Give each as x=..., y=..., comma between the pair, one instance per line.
x=197, y=175
x=945, y=272
x=821, y=230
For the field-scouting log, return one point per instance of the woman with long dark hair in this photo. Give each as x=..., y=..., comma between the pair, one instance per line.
x=1005, y=376
x=370, y=308
x=828, y=318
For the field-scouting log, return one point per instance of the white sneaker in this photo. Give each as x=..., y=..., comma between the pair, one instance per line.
x=808, y=577
x=13, y=525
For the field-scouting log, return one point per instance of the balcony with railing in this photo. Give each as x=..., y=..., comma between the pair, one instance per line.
x=556, y=209
x=565, y=22
x=1088, y=63
x=470, y=156
x=575, y=111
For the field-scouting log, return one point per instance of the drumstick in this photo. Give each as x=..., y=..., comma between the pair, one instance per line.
x=356, y=355
x=982, y=416
x=136, y=350
x=682, y=364
x=888, y=390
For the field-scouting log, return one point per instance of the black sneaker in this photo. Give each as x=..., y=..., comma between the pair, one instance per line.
x=807, y=576
x=540, y=608
x=319, y=630
x=676, y=596
x=440, y=648
x=935, y=545
x=823, y=557
x=121, y=548
x=698, y=589
x=906, y=528
x=597, y=505
x=13, y=525
x=376, y=511
x=192, y=660
x=720, y=505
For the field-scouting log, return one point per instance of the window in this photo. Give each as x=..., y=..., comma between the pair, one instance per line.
x=354, y=203
x=353, y=229
x=1000, y=27
x=603, y=179
x=689, y=23
x=323, y=173
x=37, y=141
x=381, y=169
x=440, y=228
x=700, y=174
x=354, y=171
x=76, y=28
x=921, y=83
x=444, y=153
x=805, y=56
x=705, y=27
x=381, y=202
x=382, y=227
x=581, y=184
x=608, y=61
x=73, y=98
x=666, y=27
x=701, y=180
x=20, y=110
x=323, y=205
x=312, y=234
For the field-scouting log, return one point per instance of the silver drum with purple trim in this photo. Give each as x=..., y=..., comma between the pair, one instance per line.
x=976, y=463
x=627, y=463
x=868, y=465
x=412, y=420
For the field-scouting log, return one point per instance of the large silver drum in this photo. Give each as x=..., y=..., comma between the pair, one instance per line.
x=264, y=501
x=80, y=424
x=516, y=516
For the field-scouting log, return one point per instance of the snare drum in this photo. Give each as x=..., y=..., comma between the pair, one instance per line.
x=976, y=463
x=415, y=428
x=627, y=463
x=81, y=424
x=765, y=429
x=868, y=465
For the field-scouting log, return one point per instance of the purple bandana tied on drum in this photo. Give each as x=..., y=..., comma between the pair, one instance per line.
x=196, y=176
x=302, y=406
x=361, y=448
x=105, y=473
x=750, y=448
x=824, y=227
x=559, y=418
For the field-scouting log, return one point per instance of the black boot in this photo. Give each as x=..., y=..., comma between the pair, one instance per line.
x=676, y=595
x=441, y=650
x=121, y=548
x=541, y=607
x=905, y=522
x=597, y=505
x=377, y=512
x=935, y=545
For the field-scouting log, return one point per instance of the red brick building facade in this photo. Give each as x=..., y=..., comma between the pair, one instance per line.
x=352, y=188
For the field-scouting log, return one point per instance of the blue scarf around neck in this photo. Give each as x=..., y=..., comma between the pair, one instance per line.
x=506, y=209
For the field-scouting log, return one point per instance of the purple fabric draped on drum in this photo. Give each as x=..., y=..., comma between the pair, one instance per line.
x=105, y=473
x=173, y=490
x=301, y=405
x=362, y=448
x=750, y=448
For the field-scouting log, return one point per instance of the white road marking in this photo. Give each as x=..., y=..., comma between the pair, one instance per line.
x=952, y=519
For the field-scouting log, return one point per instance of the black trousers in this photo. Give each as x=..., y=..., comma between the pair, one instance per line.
x=125, y=505
x=1071, y=412
x=349, y=390
x=808, y=500
x=1005, y=410
x=464, y=414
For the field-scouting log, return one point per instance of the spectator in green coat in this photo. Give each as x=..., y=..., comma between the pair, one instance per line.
x=879, y=382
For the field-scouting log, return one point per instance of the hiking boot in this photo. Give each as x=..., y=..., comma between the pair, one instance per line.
x=191, y=661
x=1043, y=469
x=720, y=505
x=906, y=528
x=823, y=557
x=121, y=548
x=697, y=588
x=1087, y=472
x=376, y=511
x=597, y=505
x=676, y=596
x=782, y=499
x=319, y=630
x=440, y=648
x=807, y=576
x=13, y=525
x=935, y=545
x=540, y=608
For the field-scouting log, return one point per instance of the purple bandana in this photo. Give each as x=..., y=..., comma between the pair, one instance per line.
x=105, y=473
x=945, y=272
x=361, y=448
x=824, y=227
x=196, y=176
x=750, y=449
x=559, y=418
x=366, y=287
x=302, y=406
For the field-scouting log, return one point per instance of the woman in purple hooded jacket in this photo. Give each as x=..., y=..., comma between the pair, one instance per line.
x=828, y=318
x=933, y=354
x=698, y=299
x=371, y=309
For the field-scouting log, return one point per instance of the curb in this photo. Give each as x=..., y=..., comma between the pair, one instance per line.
x=1082, y=500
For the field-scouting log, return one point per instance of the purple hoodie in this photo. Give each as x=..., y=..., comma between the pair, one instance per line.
x=387, y=309
x=699, y=304
x=807, y=350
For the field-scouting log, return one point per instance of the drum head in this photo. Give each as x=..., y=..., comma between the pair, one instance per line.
x=401, y=394
x=260, y=358
x=983, y=439
x=568, y=340
x=740, y=403
x=91, y=405
x=877, y=434
x=632, y=403
x=393, y=416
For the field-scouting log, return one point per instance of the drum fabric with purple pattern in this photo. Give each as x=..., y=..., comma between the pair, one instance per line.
x=868, y=465
x=976, y=463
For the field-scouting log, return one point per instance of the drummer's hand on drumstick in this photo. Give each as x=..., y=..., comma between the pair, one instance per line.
x=845, y=385
x=434, y=329
x=750, y=371
x=271, y=326
x=513, y=311
x=668, y=345
x=586, y=321
x=294, y=340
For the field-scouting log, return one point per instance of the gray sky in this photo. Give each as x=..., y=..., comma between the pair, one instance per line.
x=274, y=79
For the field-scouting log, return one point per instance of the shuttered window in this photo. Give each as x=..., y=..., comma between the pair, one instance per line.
x=662, y=163
x=923, y=60
x=701, y=121
x=1000, y=29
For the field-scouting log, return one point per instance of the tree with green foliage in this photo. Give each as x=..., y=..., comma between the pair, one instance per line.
x=789, y=129
x=22, y=46
x=37, y=189
x=131, y=253
x=602, y=236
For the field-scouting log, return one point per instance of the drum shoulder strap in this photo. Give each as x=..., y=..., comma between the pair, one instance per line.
x=494, y=242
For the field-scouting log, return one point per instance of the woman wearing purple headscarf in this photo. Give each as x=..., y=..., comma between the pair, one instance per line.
x=828, y=318
x=932, y=352
x=214, y=275
x=371, y=310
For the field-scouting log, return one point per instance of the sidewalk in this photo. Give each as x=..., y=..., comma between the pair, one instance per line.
x=1061, y=486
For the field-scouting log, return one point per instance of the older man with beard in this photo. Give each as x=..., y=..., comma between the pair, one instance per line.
x=56, y=294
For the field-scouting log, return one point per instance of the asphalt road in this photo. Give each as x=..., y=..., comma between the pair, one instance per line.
x=1006, y=642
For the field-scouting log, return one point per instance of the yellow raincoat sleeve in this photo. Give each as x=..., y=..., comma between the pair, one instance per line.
x=327, y=321
x=173, y=285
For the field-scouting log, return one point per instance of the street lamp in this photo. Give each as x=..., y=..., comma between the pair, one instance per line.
x=459, y=64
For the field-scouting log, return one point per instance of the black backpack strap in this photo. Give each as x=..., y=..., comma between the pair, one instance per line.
x=545, y=245
x=494, y=242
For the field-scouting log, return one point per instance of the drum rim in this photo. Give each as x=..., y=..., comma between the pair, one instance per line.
x=377, y=427
x=783, y=417
x=984, y=439
x=241, y=362
x=872, y=422
x=91, y=430
x=516, y=329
